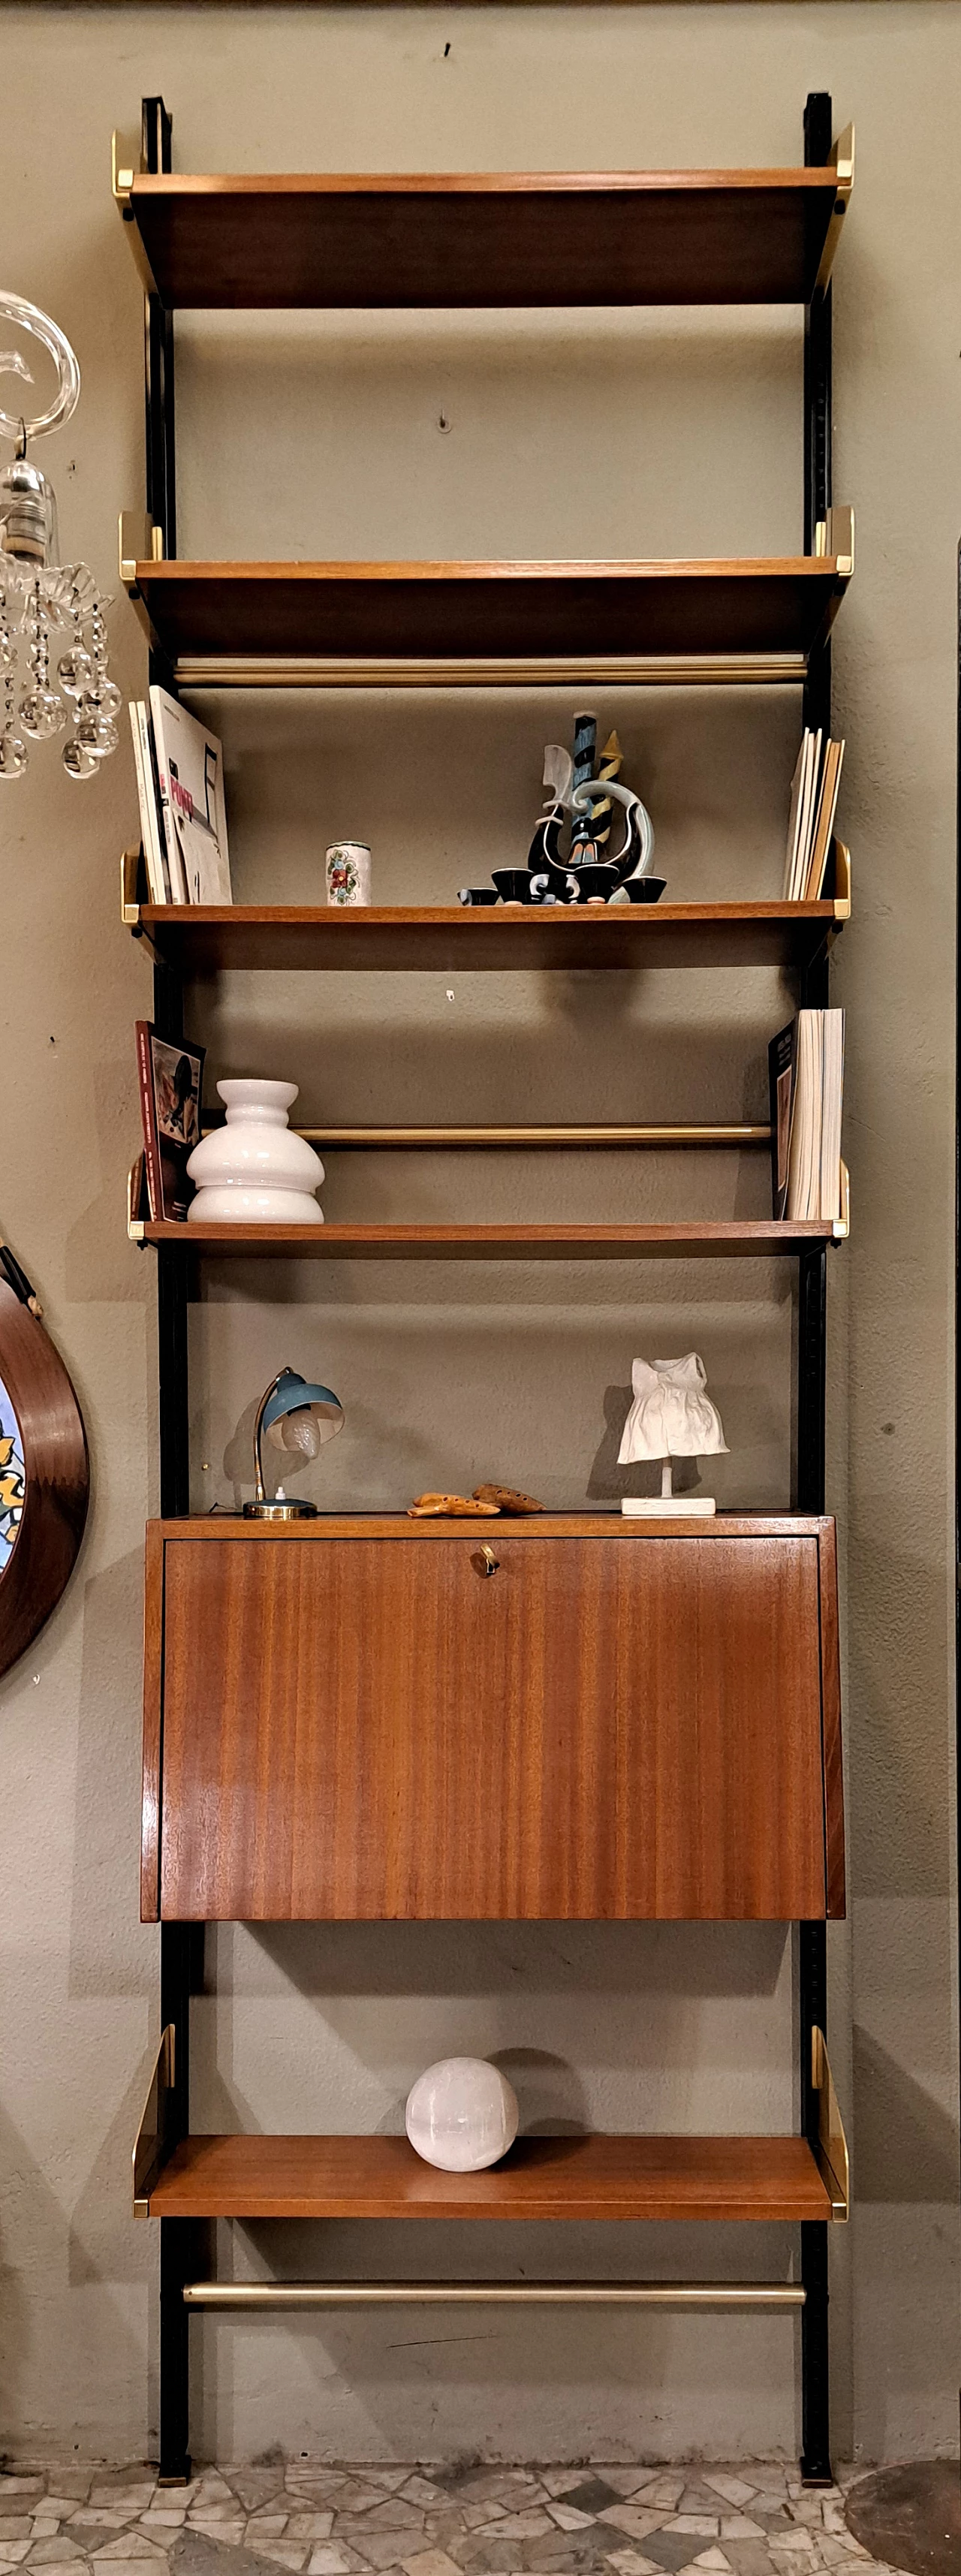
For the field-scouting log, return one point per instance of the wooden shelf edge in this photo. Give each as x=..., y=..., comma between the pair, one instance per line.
x=568, y=2179
x=612, y=1524
x=459, y=238
x=761, y=1239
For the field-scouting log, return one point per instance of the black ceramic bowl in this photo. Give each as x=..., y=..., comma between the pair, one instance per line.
x=513, y=885
x=595, y=883
x=477, y=894
x=644, y=889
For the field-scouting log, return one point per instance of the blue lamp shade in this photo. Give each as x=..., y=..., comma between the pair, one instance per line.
x=293, y=1395
x=298, y=1418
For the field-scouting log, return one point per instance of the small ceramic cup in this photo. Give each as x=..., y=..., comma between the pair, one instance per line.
x=348, y=872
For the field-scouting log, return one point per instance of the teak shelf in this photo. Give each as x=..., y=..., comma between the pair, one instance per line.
x=202, y=940
x=652, y=237
x=658, y=1718
x=573, y=2179
x=743, y=1239
x=254, y=614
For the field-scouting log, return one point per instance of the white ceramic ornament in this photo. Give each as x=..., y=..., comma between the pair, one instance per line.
x=462, y=2115
x=671, y=1417
x=254, y=1171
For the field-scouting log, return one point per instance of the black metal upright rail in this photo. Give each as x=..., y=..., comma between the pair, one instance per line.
x=812, y=1362
x=179, y=1942
x=181, y=1945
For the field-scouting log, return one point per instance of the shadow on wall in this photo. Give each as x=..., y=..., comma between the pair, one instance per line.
x=907, y=2144
x=107, y=1956
x=674, y=1959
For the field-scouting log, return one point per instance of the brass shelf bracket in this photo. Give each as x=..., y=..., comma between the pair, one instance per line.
x=135, y=1223
x=842, y=156
x=834, y=537
x=139, y=541
x=832, y=2146
x=155, y=2141
x=842, y=881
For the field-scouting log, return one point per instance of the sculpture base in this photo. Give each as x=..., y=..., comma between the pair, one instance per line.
x=663, y=1507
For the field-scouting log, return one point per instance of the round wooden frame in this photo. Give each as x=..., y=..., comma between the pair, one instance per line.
x=57, y=1477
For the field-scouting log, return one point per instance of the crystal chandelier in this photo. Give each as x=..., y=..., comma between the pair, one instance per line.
x=39, y=594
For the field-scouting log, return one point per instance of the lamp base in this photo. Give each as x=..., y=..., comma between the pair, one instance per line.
x=662, y=1507
x=280, y=1511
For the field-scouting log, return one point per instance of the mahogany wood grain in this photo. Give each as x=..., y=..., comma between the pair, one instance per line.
x=766, y=2178
x=831, y=1716
x=57, y=1477
x=489, y=610
x=745, y=1238
x=383, y=1732
x=609, y=238
x=207, y=940
x=153, y=1635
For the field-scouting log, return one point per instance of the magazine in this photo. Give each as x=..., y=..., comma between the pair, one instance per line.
x=190, y=774
x=171, y=1079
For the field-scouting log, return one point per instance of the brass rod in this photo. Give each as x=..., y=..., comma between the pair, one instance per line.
x=555, y=2294
x=522, y=1137
x=664, y=670
x=359, y=1139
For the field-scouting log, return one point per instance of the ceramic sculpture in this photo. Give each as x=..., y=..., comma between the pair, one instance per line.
x=254, y=1171
x=462, y=2115
x=671, y=1417
x=583, y=792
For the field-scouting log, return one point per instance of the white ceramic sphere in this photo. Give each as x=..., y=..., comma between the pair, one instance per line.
x=462, y=2114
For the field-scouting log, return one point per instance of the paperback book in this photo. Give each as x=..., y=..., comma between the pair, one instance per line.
x=806, y=1065
x=810, y=831
x=171, y=1079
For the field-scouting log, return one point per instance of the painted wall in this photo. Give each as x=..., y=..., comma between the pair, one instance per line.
x=613, y=433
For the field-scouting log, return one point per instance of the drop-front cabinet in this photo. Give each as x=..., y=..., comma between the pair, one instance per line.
x=561, y=1717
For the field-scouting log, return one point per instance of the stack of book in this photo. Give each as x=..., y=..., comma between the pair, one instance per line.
x=810, y=831
x=183, y=817
x=806, y=1064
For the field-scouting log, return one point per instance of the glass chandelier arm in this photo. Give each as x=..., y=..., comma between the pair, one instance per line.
x=14, y=308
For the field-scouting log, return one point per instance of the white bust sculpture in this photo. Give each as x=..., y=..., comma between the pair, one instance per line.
x=671, y=1417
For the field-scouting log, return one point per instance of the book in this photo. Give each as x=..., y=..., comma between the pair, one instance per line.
x=824, y=825
x=190, y=771
x=806, y=1072
x=794, y=816
x=811, y=813
x=154, y=850
x=171, y=1078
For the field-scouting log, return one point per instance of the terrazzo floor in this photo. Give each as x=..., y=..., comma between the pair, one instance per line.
x=708, y=2521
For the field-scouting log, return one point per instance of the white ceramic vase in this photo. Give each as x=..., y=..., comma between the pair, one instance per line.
x=462, y=2115
x=254, y=1171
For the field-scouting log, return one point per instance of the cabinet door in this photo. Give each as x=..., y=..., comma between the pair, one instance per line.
x=604, y=1728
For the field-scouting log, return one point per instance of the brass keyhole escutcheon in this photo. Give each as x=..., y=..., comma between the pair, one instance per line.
x=485, y=1561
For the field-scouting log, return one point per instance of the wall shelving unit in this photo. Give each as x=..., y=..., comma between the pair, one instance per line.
x=288, y=242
